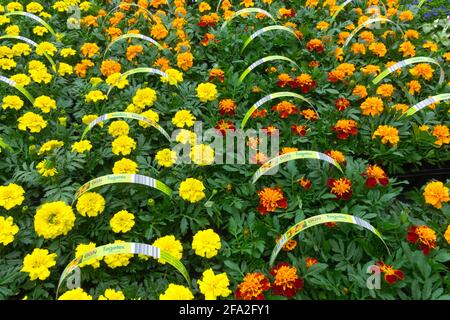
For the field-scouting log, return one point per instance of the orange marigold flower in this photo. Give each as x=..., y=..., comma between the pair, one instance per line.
x=391, y=275
x=81, y=68
x=372, y=106
x=299, y=130
x=285, y=109
x=271, y=199
x=358, y=48
x=422, y=70
x=360, y=91
x=345, y=128
x=414, y=86
x=159, y=31
x=310, y=261
x=209, y=20
x=89, y=49
x=375, y=175
x=442, y=134
x=424, y=236
x=371, y=69
x=185, y=61
x=285, y=150
x=310, y=114
x=388, y=134
x=289, y=245
x=162, y=63
x=253, y=287
x=209, y=37
x=132, y=51
x=286, y=281
x=436, y=193
x=89, y=21
x=336, y=155
x=407, y=49
x=227, y=106
x=110, y=67
x=114, y=32
x=386, y=90
x=378, y=49
x=217, y=74
x=341, y=188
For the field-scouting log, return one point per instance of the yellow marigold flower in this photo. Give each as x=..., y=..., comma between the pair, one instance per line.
x=31, y=121
x=65, y=69
x=7, y=230
x=446, y=56
x=46, y=48
x=41, y=76
x=360, y=91
x=50, y=146
x=204, y=6
x=388, y=134
x=12, y=102
x=144, y=97
x=422, y=70
x=90, y=204
x=81, y=146
x=185, y=61
x=213, y=286
x=175, y=77
x=53, y=219
x=13, y=30
x=176, y=292
x=372, y=106
x=386, y=90
x=166, y=157
x=123, y=145
x=89, y=49
x=67, y=52
x=21, y=79
x=111, y=294
x=322, y=25
x=186, y=136
x=447, y=234
x=87, y=119
x=206, y=243
x=202, y=154
x=116, y=80
x=171, y=245
x=118, y=260
x=191, y=190
x=7, y=64
x=122, y=221
x=411, y=34
x=46, y=168
x=183, y=118
x=150, y=114
x=436, y=193
x=75, y=294
x=442, y=134
x=40, y=31
x=406, y=15
x=34, y=7
x=407, y=49
x=37, y=263
x=378, y=49
x=84, y=248
x=95, y=96
x=118, y=128
x=125, y=166
x=45, y=103
x=206, y=92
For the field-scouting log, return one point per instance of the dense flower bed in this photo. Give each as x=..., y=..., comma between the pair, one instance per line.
x=66, y=70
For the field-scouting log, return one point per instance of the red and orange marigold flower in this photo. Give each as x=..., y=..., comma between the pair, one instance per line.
x=341, y=104
x=286, y=281
x=252, y=287
x=299, y=130
x=285, y=109
x=271, y=199
x=341, y=188
x=310, y=261
x=227, y=106
x=375, y=175
x=391, y=275
x=424, y=236
x=223, y=126
x=303, y=82
x=345, y=128
x=315, y=45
